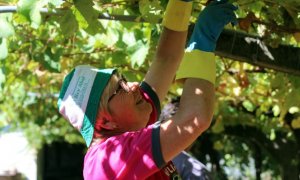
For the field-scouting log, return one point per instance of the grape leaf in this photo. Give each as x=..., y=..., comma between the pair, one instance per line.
x=151, y=10
x=138, y=53
x=3, y=49
x=68, y=24
x=31, y=10
x=50, y=60
x=6, y=29
x=248, y=105
x=87, y=16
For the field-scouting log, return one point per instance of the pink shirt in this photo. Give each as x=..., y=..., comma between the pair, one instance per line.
x=131, y=155
x=127, y=156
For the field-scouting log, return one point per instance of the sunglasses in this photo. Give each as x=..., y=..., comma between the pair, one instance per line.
x=122, y=85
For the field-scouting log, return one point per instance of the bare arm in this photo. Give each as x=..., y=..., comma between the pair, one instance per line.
x=168, y=57
x=198, y=69
x=192, y=118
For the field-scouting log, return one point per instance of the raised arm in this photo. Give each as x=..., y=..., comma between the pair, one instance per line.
x=170, y=48
x=198, y=72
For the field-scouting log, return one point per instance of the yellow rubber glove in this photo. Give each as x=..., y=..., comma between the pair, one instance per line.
x=177, y=15
x=197, y=64
x=198, y=61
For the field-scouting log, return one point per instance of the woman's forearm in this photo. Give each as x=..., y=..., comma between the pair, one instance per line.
x=167, y=59
x=191, y=119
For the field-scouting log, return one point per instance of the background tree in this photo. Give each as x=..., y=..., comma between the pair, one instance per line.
x=256, y=129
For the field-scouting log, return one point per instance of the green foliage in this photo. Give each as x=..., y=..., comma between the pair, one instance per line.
x=68, y=24
x=6, y=29
x=30, y=9
x=86, y=16
x=151, y=11
x=3, y=48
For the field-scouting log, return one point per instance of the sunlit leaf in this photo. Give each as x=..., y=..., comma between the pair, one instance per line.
x=151, y=10
x=276, y=110
x=3, y=49
x=56, y=3
x=6, y=28
x=293, y=110
x=248, y=105
x=87, y=16
x=138, y=53
x=111, y=37
x=31, y=10
x=273, y=134
x=50, y=60
x=296, y=123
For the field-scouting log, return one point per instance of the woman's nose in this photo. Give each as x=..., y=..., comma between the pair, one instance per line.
x=133, y=86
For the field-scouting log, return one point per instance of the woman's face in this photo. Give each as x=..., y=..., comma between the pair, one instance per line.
x=129, y=110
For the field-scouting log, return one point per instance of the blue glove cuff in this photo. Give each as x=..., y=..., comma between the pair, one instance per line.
x=202, y=42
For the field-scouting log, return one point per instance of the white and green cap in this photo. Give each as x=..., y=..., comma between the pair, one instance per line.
x=80, y=96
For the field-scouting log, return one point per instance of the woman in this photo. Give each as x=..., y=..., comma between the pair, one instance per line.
x=116, y=118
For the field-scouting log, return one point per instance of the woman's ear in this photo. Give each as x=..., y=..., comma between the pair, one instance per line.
x=108, y=124
x=105, y=122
